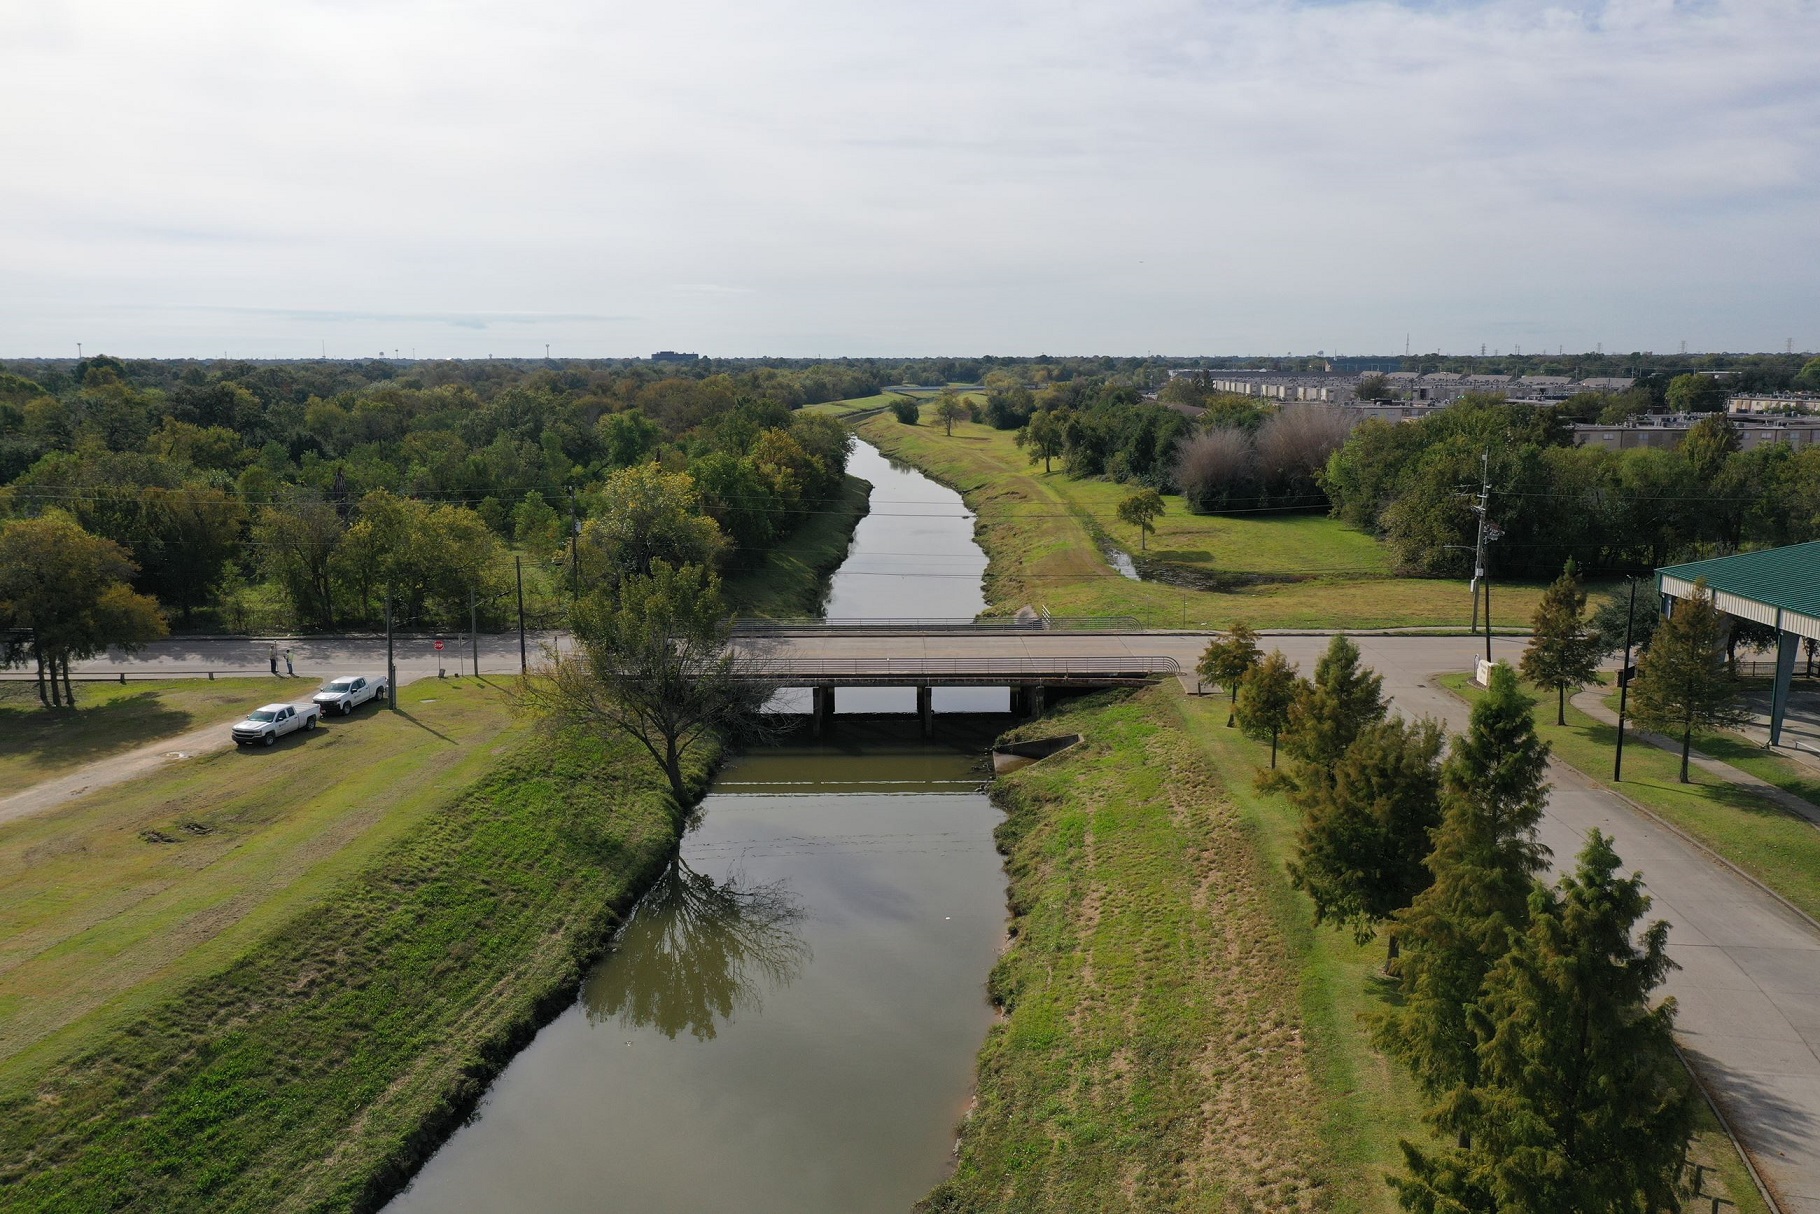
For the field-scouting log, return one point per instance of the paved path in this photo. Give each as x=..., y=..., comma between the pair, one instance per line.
x=1749, y=982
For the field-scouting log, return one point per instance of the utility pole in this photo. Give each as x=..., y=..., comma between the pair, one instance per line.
x=391, y=671
x=524, y=663
x=474, y=630
x=574, y=549
x=1487, y=532
x=1630, y=615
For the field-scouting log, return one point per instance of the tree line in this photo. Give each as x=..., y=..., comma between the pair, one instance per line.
x=1609, y=511
x=1527, y=1009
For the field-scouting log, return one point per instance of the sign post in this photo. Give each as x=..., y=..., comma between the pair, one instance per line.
x=441, y=672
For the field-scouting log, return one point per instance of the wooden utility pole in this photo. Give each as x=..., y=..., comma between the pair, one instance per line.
x=518, y=568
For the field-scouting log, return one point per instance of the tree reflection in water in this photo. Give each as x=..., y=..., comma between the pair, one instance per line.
x=695, y=951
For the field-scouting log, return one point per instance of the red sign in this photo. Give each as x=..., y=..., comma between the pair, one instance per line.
x=438, y=646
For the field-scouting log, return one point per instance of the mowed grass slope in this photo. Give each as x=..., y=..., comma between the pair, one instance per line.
x=313, y=1064
x=1154, y=1055
x=110, y=902
x=111, y=718
x=1044, y=534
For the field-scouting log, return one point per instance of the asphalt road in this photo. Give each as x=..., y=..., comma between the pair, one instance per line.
x=1748, y=987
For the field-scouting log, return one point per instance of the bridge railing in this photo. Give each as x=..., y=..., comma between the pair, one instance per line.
x=1047, y=623
x=977, y=669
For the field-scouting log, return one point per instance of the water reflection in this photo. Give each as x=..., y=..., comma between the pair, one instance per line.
x=696, y=951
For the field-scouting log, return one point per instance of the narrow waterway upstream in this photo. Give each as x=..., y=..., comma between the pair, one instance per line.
x=789, y=1021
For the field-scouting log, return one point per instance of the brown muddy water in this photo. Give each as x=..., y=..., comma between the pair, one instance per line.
x=788, y=1022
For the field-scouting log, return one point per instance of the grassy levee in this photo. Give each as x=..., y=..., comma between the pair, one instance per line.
x=1777, y=847
x=111, y=718
x=793, y=580
x=1044, y=533
x=319, y=987
x=1176, y=1035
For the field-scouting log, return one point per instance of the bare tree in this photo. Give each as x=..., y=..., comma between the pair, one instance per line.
x=1216, y=468
x=652, y=661
x=1294, y=443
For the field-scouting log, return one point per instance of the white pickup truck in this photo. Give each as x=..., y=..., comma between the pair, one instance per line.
x=266, y=725
x=345, y=694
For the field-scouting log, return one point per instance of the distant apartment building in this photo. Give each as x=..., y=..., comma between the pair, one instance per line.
x=1668, y=430
x=1773, y=402
x=674, y=356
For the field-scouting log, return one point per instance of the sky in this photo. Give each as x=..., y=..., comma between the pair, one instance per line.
x=906, y=177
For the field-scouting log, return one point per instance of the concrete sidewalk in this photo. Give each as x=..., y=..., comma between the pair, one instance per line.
x=1592, y=702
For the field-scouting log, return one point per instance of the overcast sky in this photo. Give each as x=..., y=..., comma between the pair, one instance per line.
x=903, y=177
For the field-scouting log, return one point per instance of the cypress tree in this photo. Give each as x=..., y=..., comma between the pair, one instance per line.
x=1562, y=653
x=1228, y=660
x=1682, y=681
x=1484, y=861
x=1581, y=1106
x=1360, y=851
x=1329, y=712
x=1262, y=706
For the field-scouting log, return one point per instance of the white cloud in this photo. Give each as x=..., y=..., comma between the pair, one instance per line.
x=780, y=176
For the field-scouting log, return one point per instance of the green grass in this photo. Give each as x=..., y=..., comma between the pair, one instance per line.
x=111, y=718
x=1752, y=757
x=1773, y=845
x=793, y=579
x=1044, y=534
x=309, y=1054
x=1178, y=1035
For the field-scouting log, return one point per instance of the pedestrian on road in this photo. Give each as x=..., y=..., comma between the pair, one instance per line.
x=271, y=652
x=288, y=668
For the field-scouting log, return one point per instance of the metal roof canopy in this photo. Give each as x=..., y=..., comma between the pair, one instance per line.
x=1779, y=587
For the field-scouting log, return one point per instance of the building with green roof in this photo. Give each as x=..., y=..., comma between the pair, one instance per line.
x=1778, y=587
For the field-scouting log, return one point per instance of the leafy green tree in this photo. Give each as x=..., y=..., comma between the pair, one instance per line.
x=1374, y=387
x=627, y=438
x=297, y=539
x=1580, y=1103
x=647, y=515
x=429, y=558
x=1682, y=681
x=1361, y=846
x=1695, y=394
x=1227, y=660
x=184, y=538
x=1044, y=437
x=1328, y=712
x=907, y=411
x=1710, y=442
x=1484, y=862
x=68, y=589
x=1264, y=698
x=1809, y=377
x=1141, y=510
x=1608, y=620
x=1562, y=652
x=652, y=661
x=951, y=408
x=536, y=526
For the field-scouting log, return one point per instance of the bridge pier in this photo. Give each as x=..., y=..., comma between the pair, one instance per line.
x=1027, y=700
x=822, y=706
x=925, y=708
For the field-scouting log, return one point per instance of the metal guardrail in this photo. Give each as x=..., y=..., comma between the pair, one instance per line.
x=1116, y=623
x=979, y=670
x=151, y=674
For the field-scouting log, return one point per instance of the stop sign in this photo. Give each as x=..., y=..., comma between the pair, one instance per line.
x=439, y=645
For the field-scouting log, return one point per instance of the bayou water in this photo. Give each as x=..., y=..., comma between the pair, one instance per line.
x=789, y=1020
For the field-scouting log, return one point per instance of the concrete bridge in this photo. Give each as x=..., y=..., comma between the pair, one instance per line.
x=1029, y=662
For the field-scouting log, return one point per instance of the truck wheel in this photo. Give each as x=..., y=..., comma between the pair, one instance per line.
x=310, y=724
x=347, y=708
x=271, y=739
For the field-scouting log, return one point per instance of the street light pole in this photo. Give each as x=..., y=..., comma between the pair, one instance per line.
x=391, y=671
x=518, y=568
x=1630, y=615
x=474, y=630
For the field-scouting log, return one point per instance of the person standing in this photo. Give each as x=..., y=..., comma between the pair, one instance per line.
x=289, y=669
x=271, y=653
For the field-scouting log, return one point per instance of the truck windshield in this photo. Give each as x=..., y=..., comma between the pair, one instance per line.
x=340, y=685
x=261, y=715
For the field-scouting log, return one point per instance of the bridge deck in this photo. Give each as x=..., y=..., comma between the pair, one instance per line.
x=952, y=658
